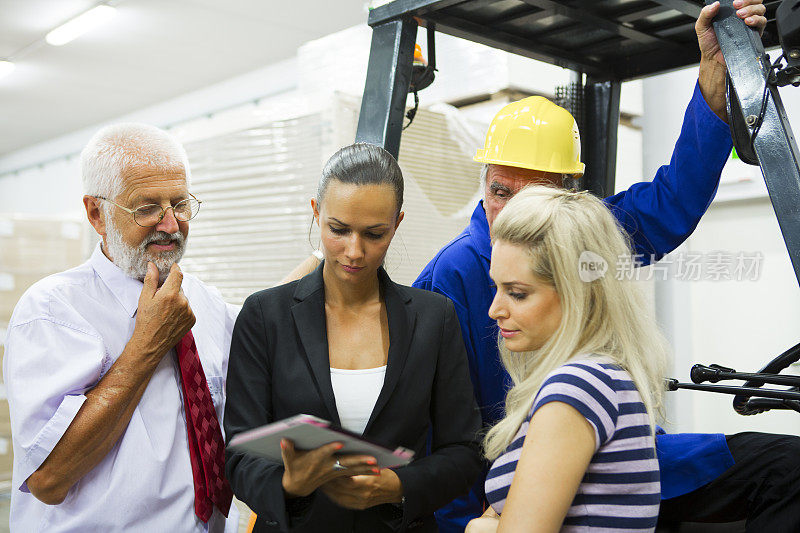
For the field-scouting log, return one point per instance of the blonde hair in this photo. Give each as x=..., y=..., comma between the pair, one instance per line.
x=607, y=316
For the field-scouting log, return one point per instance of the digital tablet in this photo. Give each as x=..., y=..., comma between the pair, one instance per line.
x=308, y=432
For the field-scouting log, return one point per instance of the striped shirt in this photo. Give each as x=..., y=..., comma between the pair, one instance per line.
x=620, y=490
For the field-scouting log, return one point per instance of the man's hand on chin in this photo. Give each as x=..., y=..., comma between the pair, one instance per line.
x=712, y=76
x=164, y=315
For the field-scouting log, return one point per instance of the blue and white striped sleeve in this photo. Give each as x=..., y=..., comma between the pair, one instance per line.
x=588, y=389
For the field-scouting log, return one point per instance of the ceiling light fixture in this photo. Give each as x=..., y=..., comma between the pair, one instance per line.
x=74, y=28
x=6, y=68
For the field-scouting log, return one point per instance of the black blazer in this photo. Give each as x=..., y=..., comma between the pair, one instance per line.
x=279, y=367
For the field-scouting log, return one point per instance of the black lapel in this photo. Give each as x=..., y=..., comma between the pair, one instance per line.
x=309, y=320
x=401, y=327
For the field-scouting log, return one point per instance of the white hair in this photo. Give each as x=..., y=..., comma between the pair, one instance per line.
x=119, y=148
x=484, y=172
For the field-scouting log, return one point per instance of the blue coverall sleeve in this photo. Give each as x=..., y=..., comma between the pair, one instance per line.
x=661, y=214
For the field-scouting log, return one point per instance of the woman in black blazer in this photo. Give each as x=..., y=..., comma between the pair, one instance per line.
x=348, y=316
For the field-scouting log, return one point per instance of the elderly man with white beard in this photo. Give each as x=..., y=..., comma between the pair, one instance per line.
x=116, y=369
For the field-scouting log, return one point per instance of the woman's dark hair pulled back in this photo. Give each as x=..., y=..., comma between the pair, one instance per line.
x=362, y=164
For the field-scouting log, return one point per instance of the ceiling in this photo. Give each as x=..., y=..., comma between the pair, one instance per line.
x=151, y=51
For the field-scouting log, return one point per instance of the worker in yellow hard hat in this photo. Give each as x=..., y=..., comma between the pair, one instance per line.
x=529, y=141
x=536, y=134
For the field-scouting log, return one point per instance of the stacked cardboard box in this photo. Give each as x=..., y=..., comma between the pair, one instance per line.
x=6, y=457
x=31, y=248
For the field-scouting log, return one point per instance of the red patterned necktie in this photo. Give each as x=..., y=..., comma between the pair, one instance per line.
x=206, y=447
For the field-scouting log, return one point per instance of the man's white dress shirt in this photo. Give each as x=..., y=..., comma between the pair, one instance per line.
x=65, y=333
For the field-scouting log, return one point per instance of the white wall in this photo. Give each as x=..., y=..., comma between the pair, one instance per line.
x=49, y=188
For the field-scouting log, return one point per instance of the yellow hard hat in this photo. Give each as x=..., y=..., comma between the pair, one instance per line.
x=533, y=133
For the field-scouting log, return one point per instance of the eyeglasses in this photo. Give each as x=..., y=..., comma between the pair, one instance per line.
x=151, y=215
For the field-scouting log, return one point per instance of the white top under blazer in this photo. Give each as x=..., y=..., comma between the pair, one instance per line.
x=356, y=392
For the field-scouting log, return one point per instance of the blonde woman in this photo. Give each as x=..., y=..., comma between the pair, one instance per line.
x=575, y=450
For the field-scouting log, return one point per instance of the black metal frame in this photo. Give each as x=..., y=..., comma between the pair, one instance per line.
x=622, y=42
x=383, y=106
x=599, y=136
x=750, y=398
x=614, y=41
x=389, y=75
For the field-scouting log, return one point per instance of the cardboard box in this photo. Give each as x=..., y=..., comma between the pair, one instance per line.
x=6, y=457
x=33, y=248
x=41, y=245
x=3, y=331
x=6, y=453
x=12, y=286
x=5, y=418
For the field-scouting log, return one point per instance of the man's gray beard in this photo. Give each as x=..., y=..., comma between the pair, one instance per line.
x=133, y=260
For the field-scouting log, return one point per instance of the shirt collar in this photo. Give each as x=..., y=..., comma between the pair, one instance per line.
x=479, y=231
x=124, y=288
